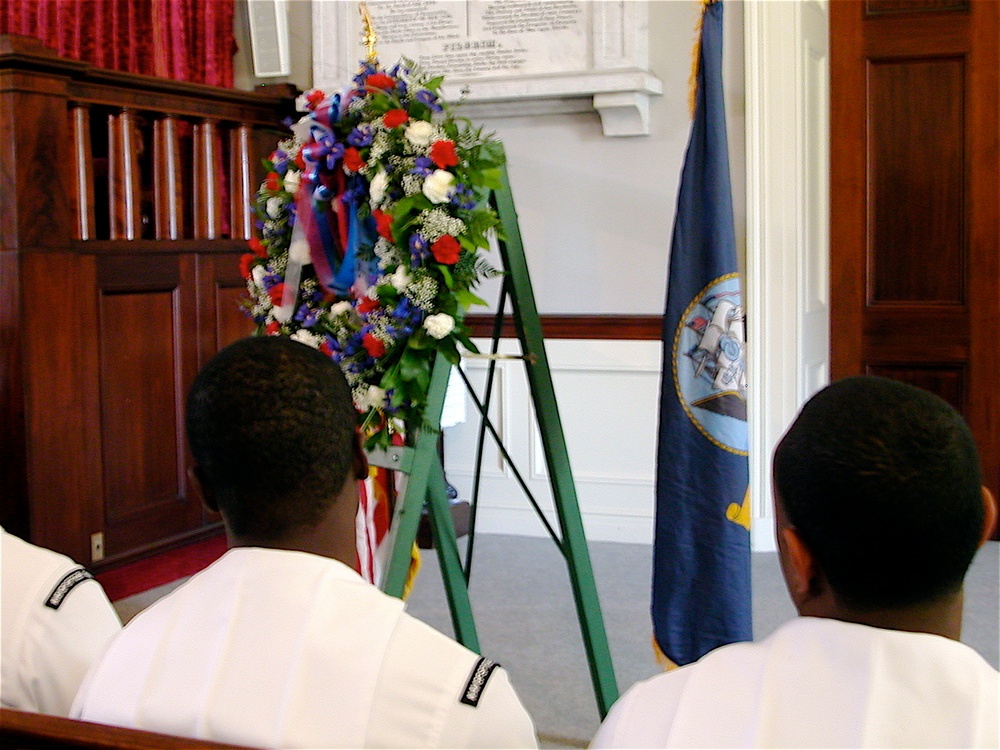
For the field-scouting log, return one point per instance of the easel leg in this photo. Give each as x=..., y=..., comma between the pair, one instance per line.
x=445, y=542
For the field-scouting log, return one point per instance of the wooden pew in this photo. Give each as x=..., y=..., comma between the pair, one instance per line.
x=24, y=730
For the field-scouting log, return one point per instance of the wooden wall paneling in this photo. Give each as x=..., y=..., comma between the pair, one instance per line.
x=207, y=201
x=950, y=382
x=916, y=153
x=123, y=176
x=13, y=456
x=221, y=289
x=984, y=241
x=34, y=183
x=84, y=163
x=148, y=347
x=61, y=401
x=915, y=213
x=168, y=207
x=847, y=190
x=240, y=182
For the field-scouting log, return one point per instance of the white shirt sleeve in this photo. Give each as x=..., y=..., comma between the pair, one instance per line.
x=499, y=720
x=62, y=644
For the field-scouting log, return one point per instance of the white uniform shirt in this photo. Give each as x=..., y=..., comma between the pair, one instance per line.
x=274, y=648
x=816, y=683
x=55, y=622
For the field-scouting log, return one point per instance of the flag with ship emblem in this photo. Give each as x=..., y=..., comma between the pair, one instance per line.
x=701, y=554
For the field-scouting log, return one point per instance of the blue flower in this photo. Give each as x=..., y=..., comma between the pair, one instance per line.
x=424, y=96
x=422, y=166
x=463, y=197
x=419, y=247
x=360, y=136
x=306, y=316
x=366, y=70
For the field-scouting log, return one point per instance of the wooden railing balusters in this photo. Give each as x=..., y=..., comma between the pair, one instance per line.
x=123, y=176
x=207, y=213
x=239, y=182
x=84, y=166
x=167, y=176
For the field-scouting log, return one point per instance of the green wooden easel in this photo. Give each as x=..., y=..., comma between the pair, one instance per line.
x=425, y=482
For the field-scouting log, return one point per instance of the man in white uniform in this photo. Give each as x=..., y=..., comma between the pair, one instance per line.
x=55, y=621
x=879, y=512
x=281, y=643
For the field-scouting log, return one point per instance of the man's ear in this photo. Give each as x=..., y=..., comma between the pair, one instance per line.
x=989, y=515
x=201, y=484
x=801, y=570
x=360, y=457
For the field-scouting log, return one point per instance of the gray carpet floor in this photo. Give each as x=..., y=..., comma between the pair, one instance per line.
x=526, y=619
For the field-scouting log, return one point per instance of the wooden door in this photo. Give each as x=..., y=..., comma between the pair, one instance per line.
x=915, y=212
x=147, y=307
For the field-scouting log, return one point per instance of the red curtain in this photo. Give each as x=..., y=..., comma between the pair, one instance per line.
x=185, y=40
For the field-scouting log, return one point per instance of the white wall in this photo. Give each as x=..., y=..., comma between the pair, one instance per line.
x=596, y=215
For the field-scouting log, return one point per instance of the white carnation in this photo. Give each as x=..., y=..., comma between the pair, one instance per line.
x=377, y=188
x=307, y=337
x=257, y=274
x=419, y=133
x=374, y=397
x=439, y=325
x=274, y=207
x=400, y=279
x=439, y=186
x=339, y=308
x=292, y=180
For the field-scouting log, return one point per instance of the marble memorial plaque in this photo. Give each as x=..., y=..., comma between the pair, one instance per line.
x=484, y=38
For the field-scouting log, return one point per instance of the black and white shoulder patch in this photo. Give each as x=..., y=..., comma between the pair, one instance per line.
x=69, y=582
x=477, y=681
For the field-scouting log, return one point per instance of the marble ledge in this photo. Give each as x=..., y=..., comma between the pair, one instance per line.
x=620, y=97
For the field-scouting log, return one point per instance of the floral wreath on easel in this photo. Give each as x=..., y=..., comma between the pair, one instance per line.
x=371, y=221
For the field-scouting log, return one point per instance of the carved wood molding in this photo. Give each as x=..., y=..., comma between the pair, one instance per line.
x=603, y=327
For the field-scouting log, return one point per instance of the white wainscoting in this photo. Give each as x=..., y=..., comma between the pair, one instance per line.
x=608, y=396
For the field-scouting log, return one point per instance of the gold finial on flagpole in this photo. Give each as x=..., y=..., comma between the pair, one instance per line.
x=368, y=36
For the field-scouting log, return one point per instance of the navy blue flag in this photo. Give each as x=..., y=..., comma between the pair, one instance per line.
x=701, y=552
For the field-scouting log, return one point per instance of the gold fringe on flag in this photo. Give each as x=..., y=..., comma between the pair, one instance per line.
x=696, y=58
x=411, y=574
x=661, y=658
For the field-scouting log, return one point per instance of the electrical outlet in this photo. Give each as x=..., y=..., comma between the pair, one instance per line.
x=97, y=547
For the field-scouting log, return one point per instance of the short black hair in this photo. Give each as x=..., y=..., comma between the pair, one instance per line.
x=882, y=481
x=271, y=426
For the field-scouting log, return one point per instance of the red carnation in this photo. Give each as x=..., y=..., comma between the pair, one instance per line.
x=246, y=262
x=315, y=98
x=300, y=160
x=353, y=160
x=325, y=348
x=446, y=250
x=380, y=81
x=383, y=224
x=395, y=117
x=276, y=292
x=367, y=305
x=273, y=328
x=272, y=181
x=443, y=154
x=373, y=346
x=257, y=247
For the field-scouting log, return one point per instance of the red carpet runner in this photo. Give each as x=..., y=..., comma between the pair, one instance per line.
x=161, y=569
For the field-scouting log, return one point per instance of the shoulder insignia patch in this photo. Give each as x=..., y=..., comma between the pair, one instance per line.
x=69, y=582
x=477, y=681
